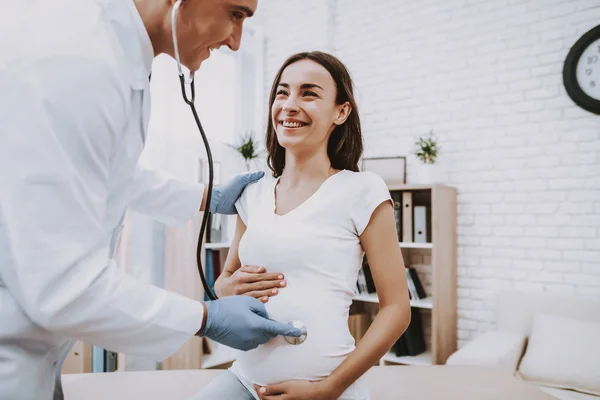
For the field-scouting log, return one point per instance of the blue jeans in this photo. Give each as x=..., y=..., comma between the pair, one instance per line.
x=227, y=386
x=224, y=386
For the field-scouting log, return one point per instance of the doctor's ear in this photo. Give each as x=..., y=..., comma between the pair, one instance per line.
x=343, y=113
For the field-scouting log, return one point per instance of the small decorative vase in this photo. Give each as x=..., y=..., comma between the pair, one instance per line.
x=429, y=174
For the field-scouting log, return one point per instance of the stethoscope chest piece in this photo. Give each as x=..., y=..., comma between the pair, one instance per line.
x=297, y=340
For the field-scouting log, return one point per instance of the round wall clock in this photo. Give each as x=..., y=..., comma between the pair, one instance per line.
x=581, y=71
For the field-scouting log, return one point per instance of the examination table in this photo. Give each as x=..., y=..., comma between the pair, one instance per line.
x=386, y=382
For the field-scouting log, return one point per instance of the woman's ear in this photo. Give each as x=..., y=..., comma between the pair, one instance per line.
x=343, y=113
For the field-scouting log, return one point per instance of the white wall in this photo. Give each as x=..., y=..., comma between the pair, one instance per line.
x=486, y=77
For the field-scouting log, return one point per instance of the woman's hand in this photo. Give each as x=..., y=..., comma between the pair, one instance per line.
x=250, y=280
x=295, y=390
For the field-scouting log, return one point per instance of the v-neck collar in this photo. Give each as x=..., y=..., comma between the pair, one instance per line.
x=302, y=205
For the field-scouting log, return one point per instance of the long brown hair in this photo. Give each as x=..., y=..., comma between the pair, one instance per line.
x=345, y=144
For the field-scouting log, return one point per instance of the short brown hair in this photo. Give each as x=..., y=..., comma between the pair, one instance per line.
x=345, y=144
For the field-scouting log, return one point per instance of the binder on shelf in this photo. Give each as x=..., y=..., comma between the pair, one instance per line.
x=420, y=224
x=412, y=291
x=412, y=341
x=208, y=230
x=209, y=272
x=407, y=217
x=368, y=276
x=414, y=277
x=365, y=283
x=212, y=269
x=362, y=282
x=415, y=287
x=110, y=361
x=397, y=200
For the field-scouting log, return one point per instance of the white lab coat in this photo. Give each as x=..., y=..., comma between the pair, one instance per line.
x=74, y=108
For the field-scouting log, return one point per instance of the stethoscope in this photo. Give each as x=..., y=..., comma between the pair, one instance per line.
x=190, y=101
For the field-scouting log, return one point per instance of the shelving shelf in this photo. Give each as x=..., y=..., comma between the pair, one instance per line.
x=421, y=359
x=415, y=245
x=440, y=247
x=217, y=245
x=373, y=298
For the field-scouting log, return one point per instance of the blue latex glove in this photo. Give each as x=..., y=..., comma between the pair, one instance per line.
x=242, y=322
x=224, y=197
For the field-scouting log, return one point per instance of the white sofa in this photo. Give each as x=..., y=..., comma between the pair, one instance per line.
x=549, y=340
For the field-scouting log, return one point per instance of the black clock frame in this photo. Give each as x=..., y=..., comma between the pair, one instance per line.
x=570, y=68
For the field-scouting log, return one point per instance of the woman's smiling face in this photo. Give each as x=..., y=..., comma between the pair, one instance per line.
x=304, y=109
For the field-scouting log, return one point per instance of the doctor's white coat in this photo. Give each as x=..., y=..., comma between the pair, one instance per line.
x=74, y=107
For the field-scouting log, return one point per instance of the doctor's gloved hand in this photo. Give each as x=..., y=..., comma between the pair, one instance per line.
x=224, y=197
x=242, y=322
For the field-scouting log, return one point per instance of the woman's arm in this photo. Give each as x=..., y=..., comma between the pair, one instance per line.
x=232, y=262
x=380, y=241
x=253, y=281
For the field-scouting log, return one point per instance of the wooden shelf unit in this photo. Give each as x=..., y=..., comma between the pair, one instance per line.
x=441, y=301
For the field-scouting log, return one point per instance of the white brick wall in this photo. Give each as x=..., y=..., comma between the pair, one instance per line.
x=486, y=77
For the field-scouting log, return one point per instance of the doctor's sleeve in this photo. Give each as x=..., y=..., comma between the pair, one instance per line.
x=165, y=198
x=371, y=193
x=55, y=154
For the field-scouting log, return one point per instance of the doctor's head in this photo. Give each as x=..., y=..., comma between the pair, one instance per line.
x=312, y=109
x=204, y=25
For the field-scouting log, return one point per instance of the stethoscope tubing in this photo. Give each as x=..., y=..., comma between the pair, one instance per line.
x=190, y=101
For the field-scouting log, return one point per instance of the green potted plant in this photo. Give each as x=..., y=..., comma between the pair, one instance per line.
x=247, y=148
x=427, y=152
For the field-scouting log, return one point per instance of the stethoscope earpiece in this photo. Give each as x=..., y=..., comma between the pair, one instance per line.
x=190, y=80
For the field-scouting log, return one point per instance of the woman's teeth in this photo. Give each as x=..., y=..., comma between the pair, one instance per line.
x=292, y=124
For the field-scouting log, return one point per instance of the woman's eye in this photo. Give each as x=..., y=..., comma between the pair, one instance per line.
x=309, y=93
x=237, y=16
x=281, y=93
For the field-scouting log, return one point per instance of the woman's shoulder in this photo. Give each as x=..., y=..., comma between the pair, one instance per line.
x=362, y=179
x=365, y=185
x=260, y=186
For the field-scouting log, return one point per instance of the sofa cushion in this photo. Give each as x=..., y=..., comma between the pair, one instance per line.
x=515, y=310
x=564, y=353
x=501, y=350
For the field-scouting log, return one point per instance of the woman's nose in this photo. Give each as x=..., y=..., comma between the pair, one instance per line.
x=290, y=106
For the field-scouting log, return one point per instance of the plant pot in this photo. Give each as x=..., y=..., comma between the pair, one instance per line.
x=429, y=174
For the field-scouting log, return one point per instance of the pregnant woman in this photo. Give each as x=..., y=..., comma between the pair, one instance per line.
x=312, y=222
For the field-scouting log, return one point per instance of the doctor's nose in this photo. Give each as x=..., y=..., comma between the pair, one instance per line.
x=234, y=40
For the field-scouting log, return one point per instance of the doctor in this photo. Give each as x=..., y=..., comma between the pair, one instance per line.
x=74, y=106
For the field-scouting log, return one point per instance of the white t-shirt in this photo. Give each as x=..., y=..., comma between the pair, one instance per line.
x=317, y=247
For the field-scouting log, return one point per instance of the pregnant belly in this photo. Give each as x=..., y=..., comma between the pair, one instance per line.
x=327, y=343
